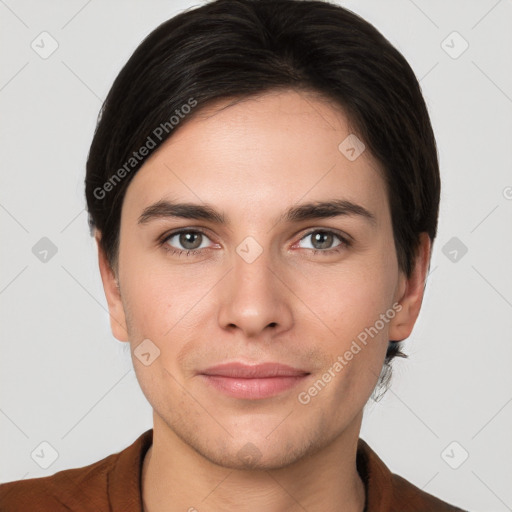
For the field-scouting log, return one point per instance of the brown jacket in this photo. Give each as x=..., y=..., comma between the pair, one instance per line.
x=113, y=484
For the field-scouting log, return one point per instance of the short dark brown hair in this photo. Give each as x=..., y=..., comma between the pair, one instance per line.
x=239, y=48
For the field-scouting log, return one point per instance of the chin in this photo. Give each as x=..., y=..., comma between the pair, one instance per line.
x=250, y=457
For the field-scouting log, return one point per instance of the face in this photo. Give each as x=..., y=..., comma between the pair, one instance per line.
x=266, y=316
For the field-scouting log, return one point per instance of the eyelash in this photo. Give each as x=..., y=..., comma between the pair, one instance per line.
x=345, y=242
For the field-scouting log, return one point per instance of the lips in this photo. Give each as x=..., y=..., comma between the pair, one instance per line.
x=258, y=371
x=253, y=382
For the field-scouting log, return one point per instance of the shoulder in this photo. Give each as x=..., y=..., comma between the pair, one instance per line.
x=417, y=500
x=66, y=490
x=93, y=488
x=389, y=492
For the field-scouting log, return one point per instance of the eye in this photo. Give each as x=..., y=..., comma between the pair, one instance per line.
x=322, y=240
x=189, y=240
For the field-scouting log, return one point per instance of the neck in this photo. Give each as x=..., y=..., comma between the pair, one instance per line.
x=177, y=478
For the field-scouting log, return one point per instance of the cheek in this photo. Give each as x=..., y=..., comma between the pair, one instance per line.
x=154, y=297
x=357, y=346
x=350, y=299
x=165, y=307
x=148, y=304
x=156, y=311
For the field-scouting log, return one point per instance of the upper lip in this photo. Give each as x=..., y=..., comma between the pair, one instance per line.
x=255, y=371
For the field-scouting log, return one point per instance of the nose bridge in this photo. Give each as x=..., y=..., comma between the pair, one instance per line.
x=252, y=272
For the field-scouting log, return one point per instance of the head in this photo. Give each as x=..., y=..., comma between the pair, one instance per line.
x=264, y=186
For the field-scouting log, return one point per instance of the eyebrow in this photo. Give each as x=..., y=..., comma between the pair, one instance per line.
x=306, y=211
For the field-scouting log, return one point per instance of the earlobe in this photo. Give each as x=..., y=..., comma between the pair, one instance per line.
x=411, y=293
x=112, y=294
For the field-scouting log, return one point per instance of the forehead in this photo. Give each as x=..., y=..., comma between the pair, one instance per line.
x=262, y=153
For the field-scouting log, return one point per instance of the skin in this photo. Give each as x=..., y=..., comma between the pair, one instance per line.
x=251, y=161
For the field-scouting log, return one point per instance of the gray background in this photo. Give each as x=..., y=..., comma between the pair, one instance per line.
x=66, y=381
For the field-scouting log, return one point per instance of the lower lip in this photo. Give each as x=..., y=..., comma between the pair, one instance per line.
x=253, y=389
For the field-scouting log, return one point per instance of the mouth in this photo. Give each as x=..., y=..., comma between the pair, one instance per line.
x=253, y=382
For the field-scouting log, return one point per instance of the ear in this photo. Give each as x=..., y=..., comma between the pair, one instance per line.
x=410, y=293
x=113, y=295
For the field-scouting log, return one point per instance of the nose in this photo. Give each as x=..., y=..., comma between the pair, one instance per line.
x=254, y=300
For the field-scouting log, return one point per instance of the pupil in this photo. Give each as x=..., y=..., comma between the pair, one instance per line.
x=190, y=240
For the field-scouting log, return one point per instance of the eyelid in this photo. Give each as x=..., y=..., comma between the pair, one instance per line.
x=170, y=234
x=345, y=238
